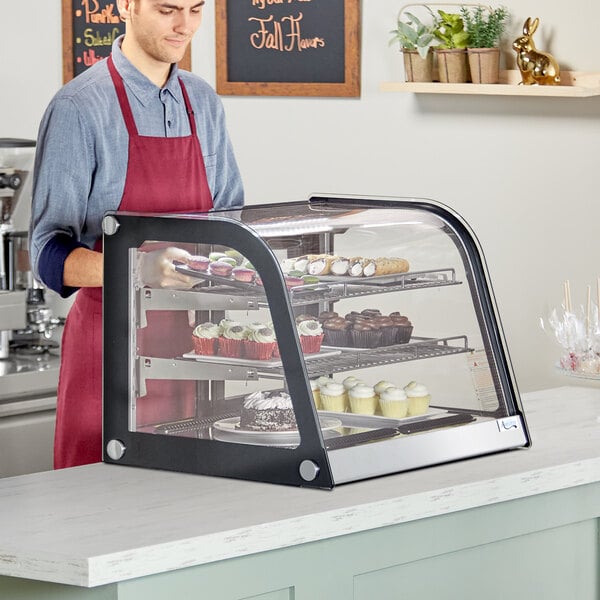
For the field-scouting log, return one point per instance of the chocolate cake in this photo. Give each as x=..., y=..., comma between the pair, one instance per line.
x=268, y=411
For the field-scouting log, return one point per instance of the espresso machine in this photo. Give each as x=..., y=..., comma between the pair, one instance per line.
x=30, y=326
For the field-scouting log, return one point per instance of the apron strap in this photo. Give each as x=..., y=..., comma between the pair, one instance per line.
x=188, y=108
x=122, y=96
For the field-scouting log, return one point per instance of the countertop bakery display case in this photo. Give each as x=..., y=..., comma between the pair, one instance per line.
x=307, y=343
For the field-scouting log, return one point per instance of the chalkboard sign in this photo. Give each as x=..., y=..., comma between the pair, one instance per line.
x=288, y=47
x=89, y=29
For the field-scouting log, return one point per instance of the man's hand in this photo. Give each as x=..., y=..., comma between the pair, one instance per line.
x=156, y=269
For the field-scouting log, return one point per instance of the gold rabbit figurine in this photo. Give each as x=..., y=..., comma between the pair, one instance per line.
x=536, y=67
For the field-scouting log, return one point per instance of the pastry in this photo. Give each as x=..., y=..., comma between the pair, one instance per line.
x=243, y=274
x=205, y=338
x=311, y=336
x=259, y=343
x=198, y=263
x=324, y=315
x=321, y=265
x=389, y=330
x=363, y=400
x=394, y=403
x=333, y=397
x=364, y=334
x=237, y=256
x=418, y=398
x=316, y=394
x=350, y=382
x=291, y=282
x=214, y=256
x=231, y=338
x=336, y=332
x=382, y=385
x=355, y=267
x=339, y=266
x=268, y=411
x=384, y=266
x=220, y=269
x=310, y=279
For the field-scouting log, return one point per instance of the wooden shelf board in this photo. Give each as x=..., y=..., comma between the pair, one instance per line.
x=574, y=84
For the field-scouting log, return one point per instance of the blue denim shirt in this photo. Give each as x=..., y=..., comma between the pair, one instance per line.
x=82, y=153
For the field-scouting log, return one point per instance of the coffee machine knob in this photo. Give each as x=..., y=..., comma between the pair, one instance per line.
x=12, y=181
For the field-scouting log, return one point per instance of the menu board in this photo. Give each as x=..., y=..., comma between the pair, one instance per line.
x=89, y=29
x=288, y=47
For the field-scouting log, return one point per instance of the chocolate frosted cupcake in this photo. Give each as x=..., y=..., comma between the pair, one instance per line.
x=389, y=330
x=405, y=328
x=336, y=332
x=326, y=315
x=365, y=335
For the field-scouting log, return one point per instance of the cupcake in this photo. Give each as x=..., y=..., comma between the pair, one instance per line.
x=205, y=337
x=405, y=327
x=365, y=335
x=316, y=393
x=243, y=274
x=231, y=338
x=389, y=330
x=324, y=380
x=333, y=397
x=311, y=336
x=259, y=343
x=350, y=382
x=363, y=400
x=382, y=385
x=336, y=332
x=418, y=398
x=198, y=263
x=394, y=403
x=220, y=268
x=326, y=315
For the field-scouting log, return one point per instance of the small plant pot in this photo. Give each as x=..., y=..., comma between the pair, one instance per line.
x=484, y=64
x=453, y=65
x=417, y=68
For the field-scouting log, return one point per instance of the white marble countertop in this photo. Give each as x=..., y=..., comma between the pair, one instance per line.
x=100, y=524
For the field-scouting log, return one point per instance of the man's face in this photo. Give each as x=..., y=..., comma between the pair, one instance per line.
x=162, y=29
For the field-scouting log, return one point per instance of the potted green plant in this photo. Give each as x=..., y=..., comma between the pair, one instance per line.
x=451, y=52
x=415, y=39
x=484, y=26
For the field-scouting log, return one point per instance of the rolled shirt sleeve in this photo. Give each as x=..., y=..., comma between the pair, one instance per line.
x=82, y=155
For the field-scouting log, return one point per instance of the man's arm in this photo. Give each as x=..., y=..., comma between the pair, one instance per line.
x=83, y=268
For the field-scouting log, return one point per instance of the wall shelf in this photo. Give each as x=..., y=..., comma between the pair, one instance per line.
x=574, y=84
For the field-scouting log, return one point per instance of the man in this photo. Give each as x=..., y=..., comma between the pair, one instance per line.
x=131, y=133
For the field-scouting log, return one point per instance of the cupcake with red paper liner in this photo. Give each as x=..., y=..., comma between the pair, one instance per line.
x=259, y=343
x=231, y=338
x=205, y=337
x=311, y=335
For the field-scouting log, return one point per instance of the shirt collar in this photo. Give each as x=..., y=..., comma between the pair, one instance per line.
x=141, y=87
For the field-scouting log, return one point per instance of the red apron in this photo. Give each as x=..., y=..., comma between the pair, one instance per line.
x=163, y=175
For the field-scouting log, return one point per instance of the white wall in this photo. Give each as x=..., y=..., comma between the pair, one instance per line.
x=521, y=171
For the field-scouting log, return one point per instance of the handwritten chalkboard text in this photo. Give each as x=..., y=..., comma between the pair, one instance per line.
x=262, y=4
x=284, y=35
x=95, y=14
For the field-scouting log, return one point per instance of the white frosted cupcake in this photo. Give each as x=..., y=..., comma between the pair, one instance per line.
x=333, y=397
x=316, y=393
x=418, y=398
x=393, y=402
x=363, y=400
x=382, y=385
x=350, y=382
